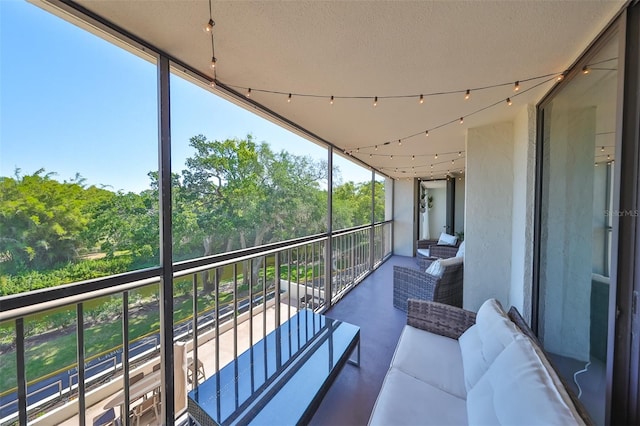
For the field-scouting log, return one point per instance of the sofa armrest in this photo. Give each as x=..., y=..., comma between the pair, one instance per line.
x=438, y=318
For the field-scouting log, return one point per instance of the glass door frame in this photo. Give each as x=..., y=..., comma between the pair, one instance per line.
x=622, y=397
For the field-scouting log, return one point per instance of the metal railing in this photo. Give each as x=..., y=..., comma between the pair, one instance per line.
x=261, y=286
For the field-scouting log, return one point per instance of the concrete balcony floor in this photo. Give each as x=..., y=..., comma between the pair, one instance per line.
x=350, y=399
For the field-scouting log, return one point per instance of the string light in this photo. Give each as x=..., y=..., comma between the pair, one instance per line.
x=461, y=120
x=467, y=95
x=436, y=156
x=560, y=77
x=289, y=98
x=459, y=153
x=426, y=133
x=509, y=101
x=213, y=62
x=516, y=86
x=391, y=157
x=331, y=100
x=585, y=70
x=421, y=99
x=432, y=166
x=249, y=92
x=399, y=142
x=375, y=101
x=376, y=147
x=413, y=157
x=452, y=161
x=212, y=83
x=602, y=149
x=208, y=26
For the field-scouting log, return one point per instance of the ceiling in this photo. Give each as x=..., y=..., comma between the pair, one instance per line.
x=376, y=48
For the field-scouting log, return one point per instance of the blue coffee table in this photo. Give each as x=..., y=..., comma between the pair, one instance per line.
x=282, y=378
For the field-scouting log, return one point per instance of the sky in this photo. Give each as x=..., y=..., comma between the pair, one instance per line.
x=71, y=102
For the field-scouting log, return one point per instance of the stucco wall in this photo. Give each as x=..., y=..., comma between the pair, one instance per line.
x=488, y=213
x=404, y=205
x=523, y=210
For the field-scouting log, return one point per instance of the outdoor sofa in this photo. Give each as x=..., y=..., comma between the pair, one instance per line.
x=455, y=367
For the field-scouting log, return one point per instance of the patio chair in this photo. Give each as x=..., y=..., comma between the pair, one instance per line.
x=409, y=283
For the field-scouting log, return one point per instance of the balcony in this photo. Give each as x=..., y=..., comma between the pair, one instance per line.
x=245, y=283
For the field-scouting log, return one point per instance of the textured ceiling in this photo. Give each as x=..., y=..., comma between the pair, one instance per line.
x=376, y=48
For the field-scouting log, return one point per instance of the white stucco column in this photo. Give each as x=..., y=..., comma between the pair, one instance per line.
x=524, y=152
x=488, y=214
x=404, y=207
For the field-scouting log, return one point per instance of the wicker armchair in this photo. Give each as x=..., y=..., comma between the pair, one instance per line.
x=437, y=251
x=409, y=283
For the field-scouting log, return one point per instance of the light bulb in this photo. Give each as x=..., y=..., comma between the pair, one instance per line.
x=421, y=99
x=375, y=101
x=376, y=147
x=436, y=156
x=467, y=95
x=391, y=157
x=208, y=27
x=399, y=142
x=212, y=83
x=249, y=92
x=370, y=155
x=289, y=98
x=602, y=149
x=585, y=70
x=413, y=157
x=560, y=77
x=516, y=86
x=509, y=101
x=426, y=132
x=452, y=161
x=461, y=120
x=357, y=149
x=596, y=164
x=331, y=100
x=432, y=166
x=459, y=153
x=213, y=62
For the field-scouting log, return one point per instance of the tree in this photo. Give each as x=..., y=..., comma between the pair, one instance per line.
x=41, y=220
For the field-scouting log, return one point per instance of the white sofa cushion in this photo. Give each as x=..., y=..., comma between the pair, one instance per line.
x=405, y=400
x=447, y=240
x=516, y=390
x=431, y=358
x=460, y=252
x=484, y=341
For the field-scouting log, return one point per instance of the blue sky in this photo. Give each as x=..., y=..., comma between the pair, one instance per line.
x=71, y=102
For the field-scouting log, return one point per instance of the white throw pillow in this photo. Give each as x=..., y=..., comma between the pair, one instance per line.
x=451, y=261
x=447, y=240
x=460, y=252
x=518, y=390
x=495, y=328
x=435, y=269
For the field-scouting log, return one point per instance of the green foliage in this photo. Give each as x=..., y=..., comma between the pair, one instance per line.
x=41, y=220
x=72, y=272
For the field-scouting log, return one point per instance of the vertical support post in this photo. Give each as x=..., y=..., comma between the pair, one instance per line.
x=276, y=279
x=166, y=253
x=82, y=406
x=372, y=240
x=22, y=373
x=125, y=355
x=195, y=329
x=328, y=247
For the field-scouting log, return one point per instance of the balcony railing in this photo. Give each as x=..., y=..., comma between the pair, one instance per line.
x=258, y=288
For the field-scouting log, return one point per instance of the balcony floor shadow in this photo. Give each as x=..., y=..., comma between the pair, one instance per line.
x=350, y=399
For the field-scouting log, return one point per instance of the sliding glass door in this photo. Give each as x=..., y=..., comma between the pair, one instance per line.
x=577, y=193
